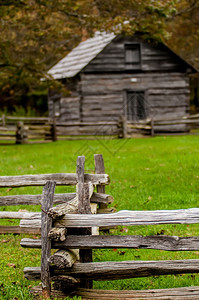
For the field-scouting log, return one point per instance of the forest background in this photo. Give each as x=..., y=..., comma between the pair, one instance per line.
x=35, y=34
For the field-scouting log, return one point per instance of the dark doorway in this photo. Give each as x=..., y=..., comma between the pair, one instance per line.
x=136, y=106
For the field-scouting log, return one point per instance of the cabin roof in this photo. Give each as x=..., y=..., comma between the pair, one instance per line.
x=86, y=51
x=80, y=56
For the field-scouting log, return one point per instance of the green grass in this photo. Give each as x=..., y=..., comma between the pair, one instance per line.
x=146, y=174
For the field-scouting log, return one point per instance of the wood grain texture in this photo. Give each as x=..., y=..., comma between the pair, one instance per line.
x=167, y=243
x=19, y=215
x=83, y=194
x=128, y=218
x=46, y=221
x=18, y=230
x=111, y=270
x=57, y=234
x=59, y=178
x=121, y=218
x=58, y=199
x=64, y=258
x=100, y=169
x=184, y=293
x=71, y=207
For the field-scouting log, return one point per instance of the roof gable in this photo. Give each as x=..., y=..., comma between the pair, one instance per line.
x=87, y=56
x=80, y=56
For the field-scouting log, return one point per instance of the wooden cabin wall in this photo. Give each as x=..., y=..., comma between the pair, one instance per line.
x=68, y=106
x=103, y=95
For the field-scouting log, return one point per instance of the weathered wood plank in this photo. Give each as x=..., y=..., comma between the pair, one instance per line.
x=57, y=234
x=84, y=207
x=120, y=270
x=46, y=221
x=100, y=169
x=169, y=294
x=19, y=215
x=58, y=199
x=128, y=218
x=71, y=207
x=59, y=178
x=184, y=293
x=167, y=243
x=64, y=258
x=18, y=230
x=123, y=218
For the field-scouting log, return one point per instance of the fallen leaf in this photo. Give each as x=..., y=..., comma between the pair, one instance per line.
x=132, y=186
x=31, y=167
x=124, y=229
x=149, y=198
x=147, y=169
x=5, y=241
x=11, y=265
x=8, y=190
x=115, y=250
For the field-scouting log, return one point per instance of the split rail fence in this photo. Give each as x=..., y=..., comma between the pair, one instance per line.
x=173, y=126
x=22, y=130
x=98, y=199
x=74, y=275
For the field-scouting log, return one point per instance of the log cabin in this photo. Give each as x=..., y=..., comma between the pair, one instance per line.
x=110, y=77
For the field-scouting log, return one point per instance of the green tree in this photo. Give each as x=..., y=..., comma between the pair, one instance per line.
x=37, y=33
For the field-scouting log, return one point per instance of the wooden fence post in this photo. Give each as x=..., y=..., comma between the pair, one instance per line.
x=54, y=130
x=100, y=169
x=124, y=127
x=3, y=120
x=46, y=226
x=152, y=127
x=83, y=208
x=21, y=134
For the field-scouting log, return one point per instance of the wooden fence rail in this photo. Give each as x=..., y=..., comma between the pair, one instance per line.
x=76, y=278
x=22, y=130
x=61, y=179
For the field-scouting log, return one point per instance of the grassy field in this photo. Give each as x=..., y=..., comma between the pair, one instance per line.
x=146, y=174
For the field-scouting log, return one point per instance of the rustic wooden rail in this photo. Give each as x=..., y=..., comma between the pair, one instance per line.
x=152, y=126
x=77, y=278
x=62, y=179
x=22, y=130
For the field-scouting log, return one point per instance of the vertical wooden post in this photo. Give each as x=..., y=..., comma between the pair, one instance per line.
x=3, y=120
x=152, y=127
x=21, y=134
x=124, y=127
x=100, y=169
x=46, y=225
x=54, y=130
x=83, y=208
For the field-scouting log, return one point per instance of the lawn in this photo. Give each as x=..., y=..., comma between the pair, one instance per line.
x=146, y=174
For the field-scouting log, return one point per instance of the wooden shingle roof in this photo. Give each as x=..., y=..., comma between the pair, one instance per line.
x=80, y=56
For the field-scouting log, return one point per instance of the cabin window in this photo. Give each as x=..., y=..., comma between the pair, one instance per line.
x=132, y=56
x=136, y=106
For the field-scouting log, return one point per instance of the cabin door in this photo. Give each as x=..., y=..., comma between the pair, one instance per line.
x=135, y=106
